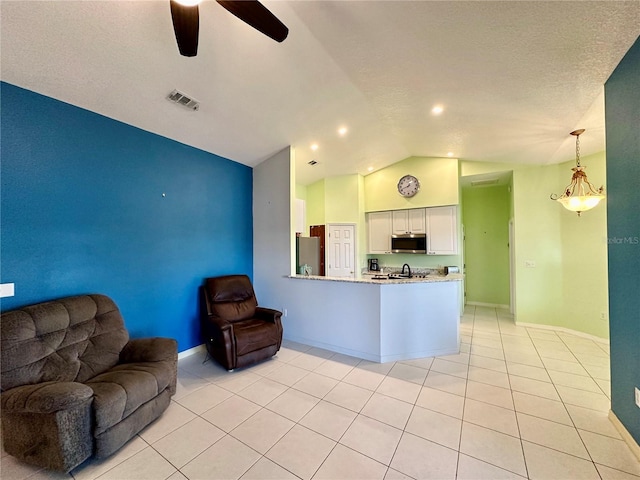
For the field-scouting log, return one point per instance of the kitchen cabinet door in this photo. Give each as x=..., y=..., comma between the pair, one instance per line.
x=379, y=224
x=408, y=221
x=442, y=230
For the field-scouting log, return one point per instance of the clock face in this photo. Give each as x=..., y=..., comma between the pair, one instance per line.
x=408, y=186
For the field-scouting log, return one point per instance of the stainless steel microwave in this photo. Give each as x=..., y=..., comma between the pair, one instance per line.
x=409, y=243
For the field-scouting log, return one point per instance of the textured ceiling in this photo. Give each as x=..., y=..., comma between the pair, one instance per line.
x=515, y=77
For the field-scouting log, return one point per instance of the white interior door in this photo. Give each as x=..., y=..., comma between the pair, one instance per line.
x=341, y=250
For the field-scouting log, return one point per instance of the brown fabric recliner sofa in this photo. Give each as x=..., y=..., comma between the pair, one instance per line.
x=237, y=332
x=74, y=385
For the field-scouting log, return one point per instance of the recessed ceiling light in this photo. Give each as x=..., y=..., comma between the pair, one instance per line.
x=370, y=169
x=342, y=131
x=437, y=110
x=314, y=147
x=449, y=154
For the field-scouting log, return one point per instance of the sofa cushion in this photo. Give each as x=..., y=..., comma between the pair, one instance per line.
x=121, y=390
x=253, y=335
x=70, y=339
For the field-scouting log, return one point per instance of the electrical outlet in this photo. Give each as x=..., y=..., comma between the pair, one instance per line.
x=638, y=397
x=603, y=316
x=7, y=290
x=284, y=312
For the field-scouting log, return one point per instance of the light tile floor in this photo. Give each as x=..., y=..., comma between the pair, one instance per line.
x=514, y=403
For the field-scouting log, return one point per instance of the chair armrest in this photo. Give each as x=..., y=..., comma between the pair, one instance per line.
x=220, y=332
x=157, y=349
x=268, y=314
x=47, y=397
x=220, y=340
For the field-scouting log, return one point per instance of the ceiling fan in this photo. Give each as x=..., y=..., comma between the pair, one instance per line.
x=184, y=14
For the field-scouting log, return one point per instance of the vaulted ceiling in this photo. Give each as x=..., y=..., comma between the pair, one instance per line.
x=514, y=77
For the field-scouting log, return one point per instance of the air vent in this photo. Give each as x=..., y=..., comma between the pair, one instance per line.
x=488, y=181
x=182, y=99
x=312, y=162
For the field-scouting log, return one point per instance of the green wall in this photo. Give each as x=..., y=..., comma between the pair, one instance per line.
x=315, y=204
x=584, y=257
x=486, y=230
x=301, y=192
x=339, y=200
x=438, y=184
x=539, y=296
x=622, y=112
x=345, y=199
x=568, y=285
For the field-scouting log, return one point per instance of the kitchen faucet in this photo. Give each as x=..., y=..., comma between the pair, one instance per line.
x=408, y=268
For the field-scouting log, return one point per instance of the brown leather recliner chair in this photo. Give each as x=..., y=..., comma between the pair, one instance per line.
x=237, y=332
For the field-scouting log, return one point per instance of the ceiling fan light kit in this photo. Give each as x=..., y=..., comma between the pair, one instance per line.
x=580, y=195
x=186, y=26
x=186, y=21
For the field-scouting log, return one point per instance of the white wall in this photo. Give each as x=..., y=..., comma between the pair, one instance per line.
x=273, y=239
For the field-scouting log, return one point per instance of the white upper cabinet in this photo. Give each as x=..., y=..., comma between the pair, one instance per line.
x=379, y=224
x=439, y=223
x=408, y=221
x=442, y=230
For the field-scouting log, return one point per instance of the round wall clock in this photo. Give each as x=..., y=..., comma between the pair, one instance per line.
x=408, y=186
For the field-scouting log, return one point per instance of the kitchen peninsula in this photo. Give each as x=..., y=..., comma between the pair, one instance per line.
x=379, y=320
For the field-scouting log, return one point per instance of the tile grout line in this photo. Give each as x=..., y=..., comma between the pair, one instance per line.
x=567, y=411
x=563, y=340
x=464, y=398
x=515, y=414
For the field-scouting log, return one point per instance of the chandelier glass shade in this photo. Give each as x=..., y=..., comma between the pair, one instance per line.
x=580, y=195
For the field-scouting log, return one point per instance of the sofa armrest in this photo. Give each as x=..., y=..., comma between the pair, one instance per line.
x=268, y=314
x=156, y=349
x=47, y=397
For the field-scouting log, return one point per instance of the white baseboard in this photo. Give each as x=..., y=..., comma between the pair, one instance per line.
x=191, y=351
x=565, y=330
x=626, y=436
x=370, y=356
x=489, y=305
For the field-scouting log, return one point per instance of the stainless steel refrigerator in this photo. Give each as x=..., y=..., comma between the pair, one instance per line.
x=308, y=253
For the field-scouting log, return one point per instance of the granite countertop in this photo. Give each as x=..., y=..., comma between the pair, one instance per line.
x=368, y=278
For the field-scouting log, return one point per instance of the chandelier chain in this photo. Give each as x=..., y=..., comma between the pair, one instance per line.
x=578, y=150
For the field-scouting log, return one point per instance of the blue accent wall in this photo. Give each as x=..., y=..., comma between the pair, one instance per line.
x=622, y=110
x=83, y=211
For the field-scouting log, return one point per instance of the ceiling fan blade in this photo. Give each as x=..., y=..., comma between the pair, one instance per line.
x=186, y=26
x=257, y=15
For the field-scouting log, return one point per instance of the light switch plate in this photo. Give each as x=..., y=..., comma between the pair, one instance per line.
x=7, y=290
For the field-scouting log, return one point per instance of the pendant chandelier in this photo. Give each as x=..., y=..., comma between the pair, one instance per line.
x=579, y=196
